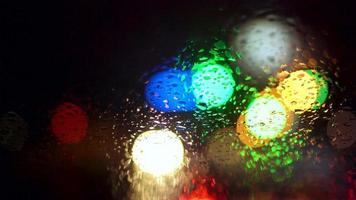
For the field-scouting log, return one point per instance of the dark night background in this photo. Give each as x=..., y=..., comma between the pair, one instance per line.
x=49, y=49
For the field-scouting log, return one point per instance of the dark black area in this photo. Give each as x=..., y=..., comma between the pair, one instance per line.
x=49, y=48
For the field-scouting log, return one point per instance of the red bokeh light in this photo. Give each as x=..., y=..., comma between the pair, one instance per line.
x=69, y=123
x=203, y=189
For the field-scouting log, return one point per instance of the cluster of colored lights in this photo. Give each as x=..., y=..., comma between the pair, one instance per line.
x=207, y=85
x=268, y=141
x=262, y=144
x=265, y=126
x=245, y=132
x=251, y=131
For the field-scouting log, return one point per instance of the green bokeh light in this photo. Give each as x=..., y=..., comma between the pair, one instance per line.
x=275, y=160
x=323, y=90
x=266, y=117
x=212, y=84
x=211, y=116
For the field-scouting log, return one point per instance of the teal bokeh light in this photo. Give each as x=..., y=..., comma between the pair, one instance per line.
x=212, y=85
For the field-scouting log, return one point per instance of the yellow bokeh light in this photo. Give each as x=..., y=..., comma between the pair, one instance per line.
x=158, y=152
x=301, y=90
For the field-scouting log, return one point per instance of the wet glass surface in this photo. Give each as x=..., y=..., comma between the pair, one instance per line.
x=177, y=100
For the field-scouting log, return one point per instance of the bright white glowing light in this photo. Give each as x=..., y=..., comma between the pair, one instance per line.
x=266, y=117
x=265, y=45
x=158, y=152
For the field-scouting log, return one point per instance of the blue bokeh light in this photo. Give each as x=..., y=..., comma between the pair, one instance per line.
x=168, y=91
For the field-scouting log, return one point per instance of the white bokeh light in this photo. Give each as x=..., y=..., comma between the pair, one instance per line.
x=265, y=45
x=158, y=152
x=266, y=117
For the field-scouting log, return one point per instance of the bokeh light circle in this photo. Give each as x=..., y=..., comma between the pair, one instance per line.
x=265, y=118
x=69, y=123
x=158, y=152
x=212, y=84
x=303, y=90
x=266, y=44
x=13, y=131
x=341, y=129
x=246, y=137
x=203, y=188
x=221, y=153
x=168, y=91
